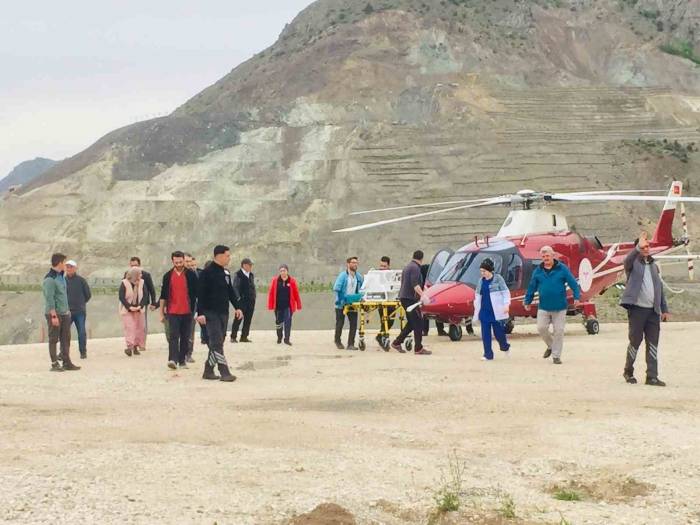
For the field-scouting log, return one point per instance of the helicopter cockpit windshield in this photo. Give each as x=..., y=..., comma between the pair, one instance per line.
x=464, y=267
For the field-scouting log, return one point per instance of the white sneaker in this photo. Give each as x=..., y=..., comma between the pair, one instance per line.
x=484, y=359
x=172, y=365
x=183, y=365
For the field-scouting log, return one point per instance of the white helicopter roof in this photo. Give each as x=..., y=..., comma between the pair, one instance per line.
x=528, y=222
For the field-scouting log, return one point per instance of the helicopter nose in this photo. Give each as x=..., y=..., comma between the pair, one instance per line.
x=449, y=300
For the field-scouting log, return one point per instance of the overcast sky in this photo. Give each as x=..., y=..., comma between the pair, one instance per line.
x=73, y=70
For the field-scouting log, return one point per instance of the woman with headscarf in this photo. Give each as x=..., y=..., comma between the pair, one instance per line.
x=283, y=298
x=132, y=305
x=491, y=306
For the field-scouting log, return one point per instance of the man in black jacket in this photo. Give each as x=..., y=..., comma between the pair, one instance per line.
x=215, y=293
x=78, y=296
x=149, y=291
x=244, y=284
x=178, y=297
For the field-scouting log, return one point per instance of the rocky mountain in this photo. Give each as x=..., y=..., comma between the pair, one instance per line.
x=26, y=172
x=364, y=104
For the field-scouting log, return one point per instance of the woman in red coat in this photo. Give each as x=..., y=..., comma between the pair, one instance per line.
x=284, y=299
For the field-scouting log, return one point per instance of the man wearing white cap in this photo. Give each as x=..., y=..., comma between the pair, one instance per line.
x=78, y=296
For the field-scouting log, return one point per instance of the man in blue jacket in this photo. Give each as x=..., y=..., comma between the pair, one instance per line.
x=549, y=280
x=348, y=283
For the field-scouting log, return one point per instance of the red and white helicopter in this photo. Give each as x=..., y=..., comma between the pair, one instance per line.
x=453, y=276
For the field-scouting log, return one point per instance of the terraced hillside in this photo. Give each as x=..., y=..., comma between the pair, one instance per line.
x=365, y=104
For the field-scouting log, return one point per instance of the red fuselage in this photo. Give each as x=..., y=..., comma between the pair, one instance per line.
x=595, y=266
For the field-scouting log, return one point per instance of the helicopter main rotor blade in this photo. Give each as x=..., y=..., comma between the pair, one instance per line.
x=490, y=202
x=572, y=197
x=611, y=192
x=427, y=205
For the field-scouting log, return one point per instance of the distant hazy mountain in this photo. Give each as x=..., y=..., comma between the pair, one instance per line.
x=26, y=172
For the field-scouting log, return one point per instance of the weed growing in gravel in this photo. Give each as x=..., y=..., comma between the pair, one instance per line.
x=567, y=495
x=507, y=508
x=563, y=520
x=448, y=495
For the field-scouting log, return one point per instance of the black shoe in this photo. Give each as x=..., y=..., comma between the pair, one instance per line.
x=351, y=347
x=339, y=345
x=556, y=361
x=189, y=359
x=210, y=374
x=279, y=341
x=136, y=351
x=654, y=381
x=172, y=365
x=127, y=351
x=234, y=340
x=547, y=353
x=443, y=334
x=245, y=340
x=83, y=355
x=70, y=366
x=56, y=367
x=288, y=342
x=629, y=378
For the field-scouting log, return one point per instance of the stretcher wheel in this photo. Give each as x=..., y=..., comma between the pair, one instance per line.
x=409, y=345
x=362, y=345
x=455, y=332
x=384, y=342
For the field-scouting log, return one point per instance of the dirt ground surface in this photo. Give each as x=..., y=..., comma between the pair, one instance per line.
x=313, y=435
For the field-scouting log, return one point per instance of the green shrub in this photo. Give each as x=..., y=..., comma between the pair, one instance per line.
x=681, y=48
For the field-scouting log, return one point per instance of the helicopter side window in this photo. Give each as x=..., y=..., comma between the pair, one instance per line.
x=454, y=266
x=513, y=270
x=470, y=274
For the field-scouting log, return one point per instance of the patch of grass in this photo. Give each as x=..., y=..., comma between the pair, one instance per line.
x=681, y=48
x=507, y=508
x=567, y=495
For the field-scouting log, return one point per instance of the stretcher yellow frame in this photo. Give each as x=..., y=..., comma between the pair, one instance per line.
x=387, y=310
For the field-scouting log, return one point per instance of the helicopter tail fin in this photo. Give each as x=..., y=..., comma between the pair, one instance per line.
x=664, y=228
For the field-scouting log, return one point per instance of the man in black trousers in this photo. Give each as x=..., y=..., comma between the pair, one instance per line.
x=178, y=296
x=646, y=307
x=411, y=292
x=215, y=293
x=244, y=284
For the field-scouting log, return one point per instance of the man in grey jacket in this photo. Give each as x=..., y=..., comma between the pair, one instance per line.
x=646, y=307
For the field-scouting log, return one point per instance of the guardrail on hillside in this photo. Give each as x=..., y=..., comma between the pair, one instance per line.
x=24, y=283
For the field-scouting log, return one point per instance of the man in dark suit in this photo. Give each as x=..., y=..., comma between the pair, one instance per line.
x=244, y=284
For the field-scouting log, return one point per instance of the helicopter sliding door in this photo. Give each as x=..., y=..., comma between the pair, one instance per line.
x=437, y=265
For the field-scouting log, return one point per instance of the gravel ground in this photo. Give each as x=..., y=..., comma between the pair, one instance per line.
x=124, y=440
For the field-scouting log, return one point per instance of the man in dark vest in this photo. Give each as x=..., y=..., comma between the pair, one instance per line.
x=244, y=284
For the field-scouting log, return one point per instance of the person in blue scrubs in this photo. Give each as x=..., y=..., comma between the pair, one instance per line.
x=491, y=306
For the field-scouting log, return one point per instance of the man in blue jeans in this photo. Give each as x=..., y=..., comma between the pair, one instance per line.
x=78, y=296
